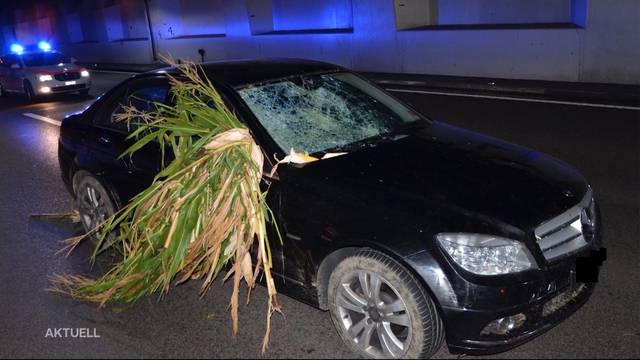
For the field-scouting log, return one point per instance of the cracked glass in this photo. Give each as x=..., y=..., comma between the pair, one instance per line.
x=317, y=113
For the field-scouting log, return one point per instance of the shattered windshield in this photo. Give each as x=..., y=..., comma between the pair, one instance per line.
x=315, y=113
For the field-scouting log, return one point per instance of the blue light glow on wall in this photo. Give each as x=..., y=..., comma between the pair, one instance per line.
x=300, y=16
x=311, y=15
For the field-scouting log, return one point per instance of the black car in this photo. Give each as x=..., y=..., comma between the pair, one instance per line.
x=409, y=231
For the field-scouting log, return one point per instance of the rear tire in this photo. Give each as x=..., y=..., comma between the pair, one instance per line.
x=93, y=201
x=380, y=310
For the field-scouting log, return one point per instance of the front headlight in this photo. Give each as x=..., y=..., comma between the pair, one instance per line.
x=486, y=254
x=84, y=73
x=44, y=78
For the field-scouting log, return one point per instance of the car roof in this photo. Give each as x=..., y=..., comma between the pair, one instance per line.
x=239, y=73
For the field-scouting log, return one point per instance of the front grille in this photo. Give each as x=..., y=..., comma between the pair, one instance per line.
x=67, y=76
x=564, y=234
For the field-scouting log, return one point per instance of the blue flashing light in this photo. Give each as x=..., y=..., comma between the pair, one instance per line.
x=17, y=48
x=44, y=46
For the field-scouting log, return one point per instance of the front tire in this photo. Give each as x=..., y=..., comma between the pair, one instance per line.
x=380, y=310
x=29, y=92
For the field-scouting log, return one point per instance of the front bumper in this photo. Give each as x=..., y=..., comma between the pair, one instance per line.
x=464, y=326
x=60, y=87
x=467, y=307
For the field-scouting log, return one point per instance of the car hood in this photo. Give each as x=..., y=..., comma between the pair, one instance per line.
x=456, y=169
x=55, y=69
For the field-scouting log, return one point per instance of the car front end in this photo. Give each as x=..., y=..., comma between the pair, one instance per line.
x=504, y=238
x=493, y=299
x=59, y=78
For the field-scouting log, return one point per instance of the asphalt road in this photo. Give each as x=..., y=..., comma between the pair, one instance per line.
x=602, y=142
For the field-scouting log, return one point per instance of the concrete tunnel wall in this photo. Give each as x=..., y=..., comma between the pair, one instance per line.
x=604, y=46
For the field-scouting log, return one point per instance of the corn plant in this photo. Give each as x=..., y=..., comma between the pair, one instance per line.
x=203, y=213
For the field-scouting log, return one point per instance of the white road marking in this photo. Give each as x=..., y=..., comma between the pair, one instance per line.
x=43, y=118
x=517, y=99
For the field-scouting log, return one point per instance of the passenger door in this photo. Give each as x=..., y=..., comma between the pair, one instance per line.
x=132, y=174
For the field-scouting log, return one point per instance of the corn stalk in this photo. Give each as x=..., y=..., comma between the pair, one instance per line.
x=204, y=210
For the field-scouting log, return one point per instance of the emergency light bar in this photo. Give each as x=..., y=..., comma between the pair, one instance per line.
x=17, y=48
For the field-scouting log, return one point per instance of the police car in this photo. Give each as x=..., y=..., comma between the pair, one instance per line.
x=41, y=72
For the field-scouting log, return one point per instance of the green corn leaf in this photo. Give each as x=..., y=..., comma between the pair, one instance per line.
x=196, y=215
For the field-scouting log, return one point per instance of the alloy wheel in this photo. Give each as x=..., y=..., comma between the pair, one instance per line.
x=94, y=210
x=373, y=315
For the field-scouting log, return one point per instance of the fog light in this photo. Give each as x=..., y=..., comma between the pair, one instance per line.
x=504, y=325
x=45, y=89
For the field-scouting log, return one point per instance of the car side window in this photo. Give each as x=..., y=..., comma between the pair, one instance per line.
x=142, y=95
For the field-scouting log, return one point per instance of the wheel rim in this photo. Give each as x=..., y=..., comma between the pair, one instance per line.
x=93, y=207
x=373, y=315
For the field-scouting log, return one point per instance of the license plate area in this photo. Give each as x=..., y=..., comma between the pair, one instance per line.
x=69, y=82
x=563, y=299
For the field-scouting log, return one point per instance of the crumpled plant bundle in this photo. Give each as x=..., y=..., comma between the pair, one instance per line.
x=204, y=210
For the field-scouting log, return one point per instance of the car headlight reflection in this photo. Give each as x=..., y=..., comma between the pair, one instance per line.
x=486, y=254
x=44, y=78
x=84, y=73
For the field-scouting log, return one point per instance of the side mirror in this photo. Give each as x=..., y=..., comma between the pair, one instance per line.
x=15, y=66
x=73, y=60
